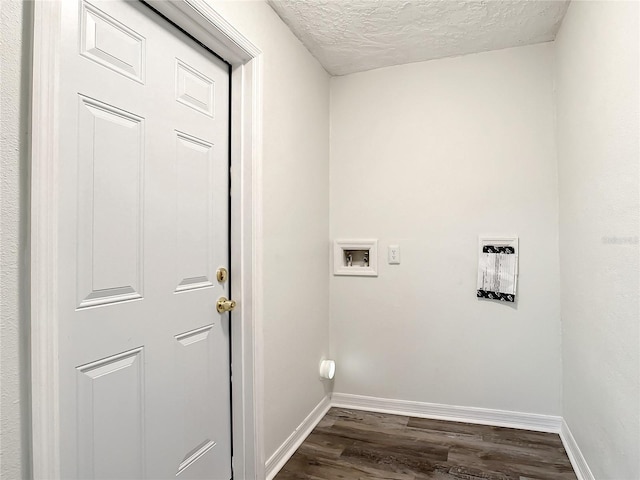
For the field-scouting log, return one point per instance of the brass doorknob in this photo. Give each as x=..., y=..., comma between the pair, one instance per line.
x=225, y=305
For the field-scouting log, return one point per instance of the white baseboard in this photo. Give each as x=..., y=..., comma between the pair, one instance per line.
x=483, y=416
x=275, y=463
x=583, y=472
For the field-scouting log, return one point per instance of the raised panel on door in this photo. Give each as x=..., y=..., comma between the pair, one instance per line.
x=194, y=215
x=194, y=89
x=110, y=212
x=111, y=417
x=203, y=395
x=111, y=43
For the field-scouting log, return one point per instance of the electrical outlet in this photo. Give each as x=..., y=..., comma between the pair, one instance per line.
x=394, y=254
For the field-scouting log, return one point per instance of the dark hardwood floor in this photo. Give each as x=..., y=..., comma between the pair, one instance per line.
x=355, y=445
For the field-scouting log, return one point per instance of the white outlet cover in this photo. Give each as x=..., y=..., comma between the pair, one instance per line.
x=393, y=254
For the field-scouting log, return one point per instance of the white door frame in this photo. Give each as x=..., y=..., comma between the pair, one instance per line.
x=201, y=21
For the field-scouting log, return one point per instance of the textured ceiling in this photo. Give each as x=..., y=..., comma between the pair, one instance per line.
x=349, y=36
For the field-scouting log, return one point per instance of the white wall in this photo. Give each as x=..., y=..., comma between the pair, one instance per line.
x=598, y=156
x=296, y=218
x=430, y=155
x=14, y=357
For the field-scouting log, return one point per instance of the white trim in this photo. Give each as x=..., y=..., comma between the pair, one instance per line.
x=580, y=466
x=246, y=231
x=482, y=416
x=200, y=20
x=204, y=23
x=45, y=415
x=291, y=444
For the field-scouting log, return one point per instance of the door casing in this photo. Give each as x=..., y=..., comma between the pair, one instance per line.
x=202, y=22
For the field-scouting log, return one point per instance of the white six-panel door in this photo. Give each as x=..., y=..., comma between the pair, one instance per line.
x=144, y=202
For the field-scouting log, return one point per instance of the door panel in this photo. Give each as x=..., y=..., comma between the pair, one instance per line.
x=195, y=358
x=111, y=43
x=110, y=142
x=144, y=205
x=195, y=212
x=194, y=89
x=103, y=417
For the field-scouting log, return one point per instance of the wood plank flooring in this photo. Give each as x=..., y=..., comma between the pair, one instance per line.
x=355, y=445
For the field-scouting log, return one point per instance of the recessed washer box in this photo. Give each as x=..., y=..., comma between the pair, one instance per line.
x=355, y=257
